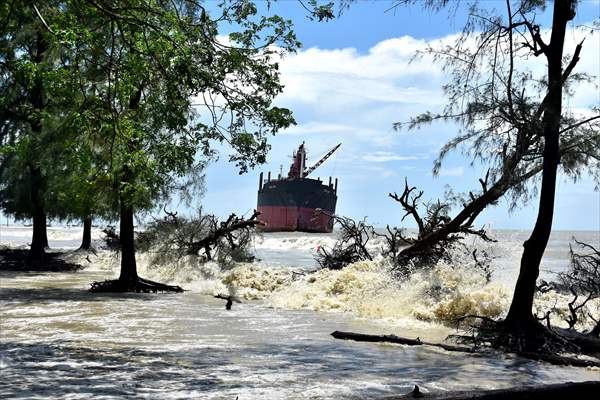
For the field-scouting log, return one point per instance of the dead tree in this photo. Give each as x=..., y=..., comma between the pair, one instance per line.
x=351, y=245
x=437, y=233
x=231, y=234
x=582, y=281
x=202, y=236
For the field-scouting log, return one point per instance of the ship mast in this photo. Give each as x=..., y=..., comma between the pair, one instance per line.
x=321, y=161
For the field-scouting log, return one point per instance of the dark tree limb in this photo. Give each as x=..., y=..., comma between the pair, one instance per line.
x=409, y=203
x=550, y=358
x=361, y=337
x=230, y=300
x=233, y=223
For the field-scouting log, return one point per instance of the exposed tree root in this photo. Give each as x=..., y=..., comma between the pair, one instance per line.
x=138, y=286
x=530, y=340
x=522, y=337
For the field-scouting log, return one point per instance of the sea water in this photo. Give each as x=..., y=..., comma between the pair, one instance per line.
x=60, y=341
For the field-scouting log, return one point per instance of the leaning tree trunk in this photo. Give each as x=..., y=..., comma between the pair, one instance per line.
x=126, y=236
x=86, y=241
x=520, y=315
x=39, y=240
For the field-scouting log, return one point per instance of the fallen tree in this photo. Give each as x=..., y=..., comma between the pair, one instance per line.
x=552, y=359
x=437, y=233
x=361, y=337
x=351, y=245
x=203, y=235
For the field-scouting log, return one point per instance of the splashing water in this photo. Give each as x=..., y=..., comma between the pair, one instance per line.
x=59, y=340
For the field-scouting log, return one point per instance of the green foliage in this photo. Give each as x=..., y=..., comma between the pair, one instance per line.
x=499, y=103
x=136, y=94
x=35, y=90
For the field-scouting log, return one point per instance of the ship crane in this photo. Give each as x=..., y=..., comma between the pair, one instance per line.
x=321, y=161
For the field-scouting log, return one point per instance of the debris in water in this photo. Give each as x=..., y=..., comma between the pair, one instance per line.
x=230, y=300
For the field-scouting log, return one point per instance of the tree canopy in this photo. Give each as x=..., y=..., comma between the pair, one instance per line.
x=130, y=98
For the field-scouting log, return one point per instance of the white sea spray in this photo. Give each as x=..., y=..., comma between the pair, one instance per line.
x=365, y=289
x=369, y=290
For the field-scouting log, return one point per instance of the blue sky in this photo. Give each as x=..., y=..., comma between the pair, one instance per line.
x=350, y=82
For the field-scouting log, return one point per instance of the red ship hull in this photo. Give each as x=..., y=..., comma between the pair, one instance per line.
x=286, y=218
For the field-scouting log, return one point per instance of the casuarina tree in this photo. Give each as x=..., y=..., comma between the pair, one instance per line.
x=167, y=88
x=514, y=124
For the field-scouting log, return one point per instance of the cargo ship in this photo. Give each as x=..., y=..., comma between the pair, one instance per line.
x=296, y=202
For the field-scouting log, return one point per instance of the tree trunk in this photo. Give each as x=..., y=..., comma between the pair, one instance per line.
x=520, y=316
x=39, y=240
x=126, y=235
x=86, y=241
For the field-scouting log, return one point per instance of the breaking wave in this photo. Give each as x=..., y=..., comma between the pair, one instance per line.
x=365, y=289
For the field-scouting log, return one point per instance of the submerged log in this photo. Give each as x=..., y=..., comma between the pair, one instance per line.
x=579, y=390
x=550, y=358
x=361, y=337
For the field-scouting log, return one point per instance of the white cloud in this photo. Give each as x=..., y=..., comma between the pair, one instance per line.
x=385, y=156
x=339, y=78
x=343, y=95
x=317, y=128
x=453, y=171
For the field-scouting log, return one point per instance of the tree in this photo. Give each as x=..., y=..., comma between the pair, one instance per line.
x=35, y=87
x=153, y=64
x=79, y=189
x=520, y=318
x=514, y=123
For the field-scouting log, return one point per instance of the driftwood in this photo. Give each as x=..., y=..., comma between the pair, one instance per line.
x=550, y=358
x=361, y=337
x=230, y=300
x=579, y=390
